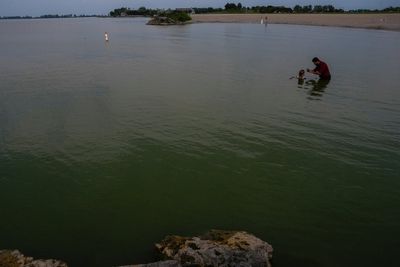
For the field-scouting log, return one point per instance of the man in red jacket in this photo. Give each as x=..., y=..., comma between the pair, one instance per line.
x=321, y=69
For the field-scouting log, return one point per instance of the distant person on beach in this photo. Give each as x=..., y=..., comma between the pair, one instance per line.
x=321, y=69
x=264, y=20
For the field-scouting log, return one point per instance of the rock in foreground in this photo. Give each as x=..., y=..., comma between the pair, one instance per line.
x=14, y=258
x=216, y=248
x=169, y=263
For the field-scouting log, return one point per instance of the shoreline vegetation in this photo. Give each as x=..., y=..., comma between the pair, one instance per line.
x=318, y=15
x=229, y=8
x=53, y=16
x=376, y=21
x=170, y=18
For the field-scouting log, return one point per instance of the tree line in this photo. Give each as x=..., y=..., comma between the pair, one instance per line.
x=239, y=8
x=228, y=8
x=50, y=16
x=125, y=11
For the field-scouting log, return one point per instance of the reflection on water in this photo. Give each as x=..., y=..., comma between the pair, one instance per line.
x=316, y=88
x=181, y=129
x=300, y=82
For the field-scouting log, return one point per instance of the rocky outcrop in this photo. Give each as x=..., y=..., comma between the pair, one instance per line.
x=216, y=248
x=169, y=263
x=14, y=258
x=164, y=21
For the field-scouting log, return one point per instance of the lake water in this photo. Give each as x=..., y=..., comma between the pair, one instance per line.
x=105, y=148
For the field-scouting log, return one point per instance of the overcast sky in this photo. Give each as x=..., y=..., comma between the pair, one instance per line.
x=40, y=7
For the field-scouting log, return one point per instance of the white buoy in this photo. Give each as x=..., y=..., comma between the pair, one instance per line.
x=106, y=36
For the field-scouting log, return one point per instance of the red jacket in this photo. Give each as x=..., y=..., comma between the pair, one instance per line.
x=323, y=69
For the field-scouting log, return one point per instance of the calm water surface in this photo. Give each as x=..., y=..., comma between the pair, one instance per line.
x=105, y=148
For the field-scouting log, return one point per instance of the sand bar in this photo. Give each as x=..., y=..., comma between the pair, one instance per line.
x=368, y=21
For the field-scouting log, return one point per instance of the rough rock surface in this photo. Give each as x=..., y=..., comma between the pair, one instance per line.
x=170, y=263
x=163, y=21
x=217, y=248
x=14, y=258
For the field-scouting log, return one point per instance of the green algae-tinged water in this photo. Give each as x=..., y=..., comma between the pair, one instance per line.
x=107, y=148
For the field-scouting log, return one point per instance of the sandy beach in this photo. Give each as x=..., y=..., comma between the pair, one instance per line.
x=368, y=21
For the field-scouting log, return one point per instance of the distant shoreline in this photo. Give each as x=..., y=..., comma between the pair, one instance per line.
x=378, y=21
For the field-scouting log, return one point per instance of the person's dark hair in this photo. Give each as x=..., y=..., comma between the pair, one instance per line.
x=315, y=59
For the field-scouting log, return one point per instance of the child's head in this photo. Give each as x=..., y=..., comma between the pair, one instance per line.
x=301, y=73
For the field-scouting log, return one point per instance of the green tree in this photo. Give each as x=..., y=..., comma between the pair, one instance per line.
x=307, y=9
x=328, y=9
x=230, y=6
x=177, y=16
x=298, y=9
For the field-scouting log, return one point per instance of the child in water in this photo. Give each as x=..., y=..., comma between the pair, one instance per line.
x=300, y=76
